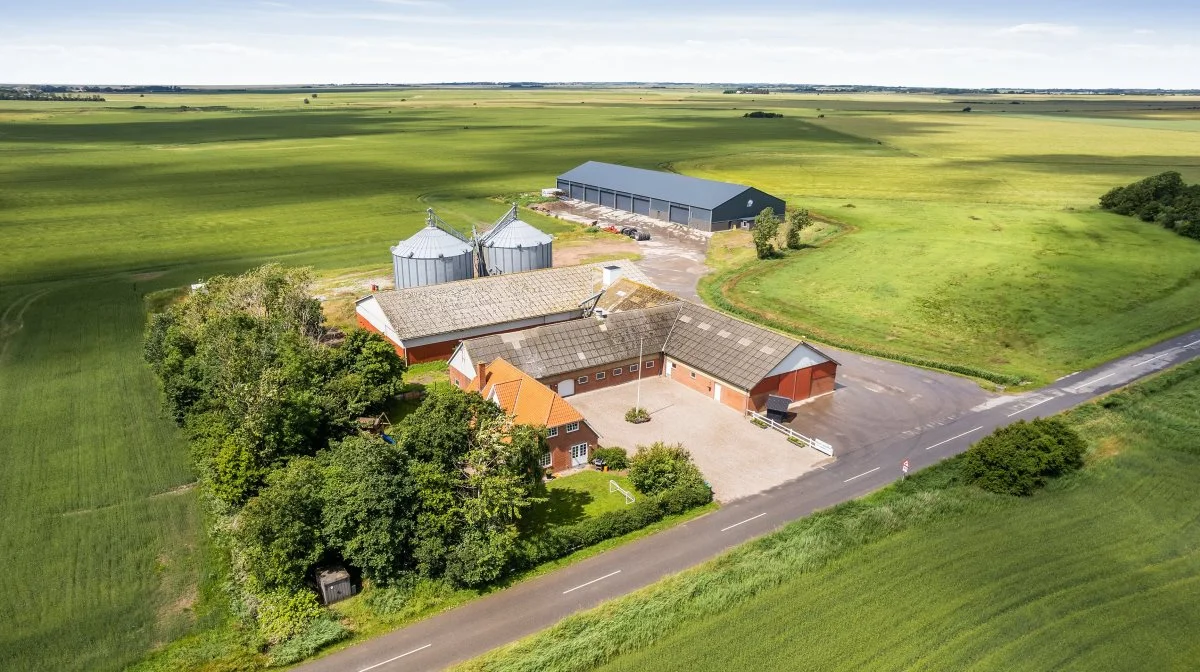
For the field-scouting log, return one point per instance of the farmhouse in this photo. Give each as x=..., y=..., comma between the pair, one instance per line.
x=734, y=362
x=426, y=322
x=705, y=205
x=529, y=402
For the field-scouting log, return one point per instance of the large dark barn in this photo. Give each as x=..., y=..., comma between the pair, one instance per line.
x=705, y=205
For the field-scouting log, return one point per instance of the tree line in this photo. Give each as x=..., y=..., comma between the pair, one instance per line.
x=1164, y=199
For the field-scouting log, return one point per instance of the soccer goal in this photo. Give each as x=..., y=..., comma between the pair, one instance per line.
x=613, y=487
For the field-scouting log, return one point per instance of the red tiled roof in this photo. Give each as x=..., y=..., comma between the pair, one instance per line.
x=523, y=397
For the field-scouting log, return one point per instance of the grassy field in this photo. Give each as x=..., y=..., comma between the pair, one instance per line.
x=1101, y=571
x=101, y=203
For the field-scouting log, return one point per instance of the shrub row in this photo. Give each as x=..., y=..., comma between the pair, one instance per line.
x=557, y=542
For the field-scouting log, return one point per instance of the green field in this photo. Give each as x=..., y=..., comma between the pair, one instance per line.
x=1101, y=571
x=101, y=203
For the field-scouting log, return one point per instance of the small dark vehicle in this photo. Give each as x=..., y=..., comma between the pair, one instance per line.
x=634, y=233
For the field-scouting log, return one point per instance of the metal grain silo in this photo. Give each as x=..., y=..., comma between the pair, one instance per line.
x=513, y=246
x=433, y=255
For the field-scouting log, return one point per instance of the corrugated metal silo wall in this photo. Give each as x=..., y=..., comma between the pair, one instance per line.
x=415, y=272
x=517, y=259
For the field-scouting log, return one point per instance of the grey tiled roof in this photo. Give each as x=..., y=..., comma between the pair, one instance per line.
x=681, y=189
x=562, y=347
x=716, y=344
x=481, y=302
x=726, y=347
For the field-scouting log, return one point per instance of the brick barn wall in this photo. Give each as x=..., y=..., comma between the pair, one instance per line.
x=432, y=352
x=458, y=379
x=609, y=379
x=364, y=324
x=730, y=396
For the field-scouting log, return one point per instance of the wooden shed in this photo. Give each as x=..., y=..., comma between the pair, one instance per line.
x=334, y=584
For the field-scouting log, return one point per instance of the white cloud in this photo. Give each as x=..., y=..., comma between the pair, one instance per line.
x=1055, y=29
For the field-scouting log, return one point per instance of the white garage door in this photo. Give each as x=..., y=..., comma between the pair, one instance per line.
x=566, y=387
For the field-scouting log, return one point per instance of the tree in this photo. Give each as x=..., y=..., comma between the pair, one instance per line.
x=661, y=466
x=766, y=229
x=280, y=530
x=798, y=221
x=367, y=499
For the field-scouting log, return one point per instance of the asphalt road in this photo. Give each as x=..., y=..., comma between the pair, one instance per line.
x=526, y=608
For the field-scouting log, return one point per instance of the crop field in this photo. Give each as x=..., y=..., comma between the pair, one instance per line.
x=1101, y=571
x=101, y=203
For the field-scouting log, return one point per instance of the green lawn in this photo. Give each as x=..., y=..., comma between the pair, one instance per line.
x=101, y=203
x=1101, y=571
x=572, y=498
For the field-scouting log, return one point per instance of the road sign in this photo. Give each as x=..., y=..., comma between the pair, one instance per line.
x=904, y=467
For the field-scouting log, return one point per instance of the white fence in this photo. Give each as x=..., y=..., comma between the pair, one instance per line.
x=793, y=436
x=613, y=487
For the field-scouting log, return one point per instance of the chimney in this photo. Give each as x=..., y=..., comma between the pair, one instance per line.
x=611, y=275
x=480, y=370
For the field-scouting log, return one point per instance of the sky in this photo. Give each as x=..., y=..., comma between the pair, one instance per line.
x=1014, y=43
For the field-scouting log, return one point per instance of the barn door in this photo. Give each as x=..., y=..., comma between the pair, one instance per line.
x=566, y=387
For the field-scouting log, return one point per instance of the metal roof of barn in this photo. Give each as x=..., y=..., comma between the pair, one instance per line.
x=435, y=241
x=672, y=187
x=511, y=231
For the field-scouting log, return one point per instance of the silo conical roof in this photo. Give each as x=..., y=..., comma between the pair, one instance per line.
x=431, y=242
x=515, y=233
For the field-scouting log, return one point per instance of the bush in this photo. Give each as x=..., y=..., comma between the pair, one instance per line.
x=1020, y=458
x=410, y=595
x=685, y=496
x=637, y=415
x=283, y=615
x=319, y=634
x=614, y=458
x=659, y=466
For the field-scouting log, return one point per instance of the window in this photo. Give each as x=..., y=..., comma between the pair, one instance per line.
x=572, y=427
x=692, y=374
x=579, y=451
x=599, y=375
x=633, y=368
x=648, y=365
x=552, y=432
x=582, y=380
x=617, y=371
x=545, y=461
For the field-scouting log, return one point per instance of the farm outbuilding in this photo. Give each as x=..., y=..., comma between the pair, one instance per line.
x=705, y=205
x=335, y=585
x=426, y=323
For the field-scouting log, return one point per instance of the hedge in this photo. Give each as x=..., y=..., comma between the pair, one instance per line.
x=558, y=542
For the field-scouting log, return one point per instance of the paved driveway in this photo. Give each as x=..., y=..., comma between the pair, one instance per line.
x=878, y=401
x=737, y=458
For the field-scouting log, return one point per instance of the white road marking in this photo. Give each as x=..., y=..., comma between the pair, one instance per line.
x=1165, y=354
x=744, y=521
x=396, y=658
x=1077, y=388
x=955, y=437
x=862, y=474
x=1031, y=406
x=585, y=585
x=1191, y=344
